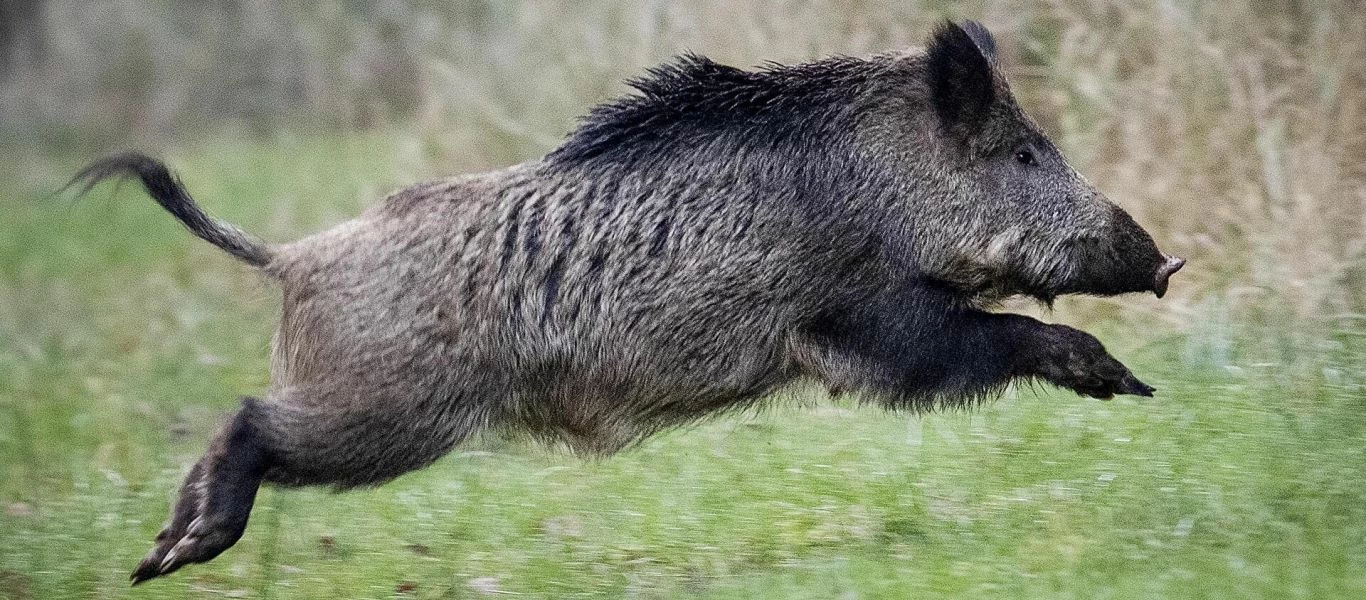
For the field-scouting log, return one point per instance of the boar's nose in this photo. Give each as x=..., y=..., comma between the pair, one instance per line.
x=1164, y=272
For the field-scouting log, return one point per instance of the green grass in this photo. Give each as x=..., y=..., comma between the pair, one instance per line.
x=123, y=342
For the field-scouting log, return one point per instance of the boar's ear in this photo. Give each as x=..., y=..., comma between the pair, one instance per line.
x=980, y=36
x=962, y=86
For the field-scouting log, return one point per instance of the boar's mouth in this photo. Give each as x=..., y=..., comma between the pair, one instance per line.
x=1126, y=279
x=1086, y=266
x=1101, y=269
x=1124, y=259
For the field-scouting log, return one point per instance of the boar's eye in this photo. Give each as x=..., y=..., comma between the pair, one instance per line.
x=1025, y=157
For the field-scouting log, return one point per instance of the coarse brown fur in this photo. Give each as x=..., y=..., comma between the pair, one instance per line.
x=689, y=249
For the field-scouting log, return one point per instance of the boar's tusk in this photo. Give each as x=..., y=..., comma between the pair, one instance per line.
x=1164, y=272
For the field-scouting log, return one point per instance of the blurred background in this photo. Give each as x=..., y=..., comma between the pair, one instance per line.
x=1235, y=131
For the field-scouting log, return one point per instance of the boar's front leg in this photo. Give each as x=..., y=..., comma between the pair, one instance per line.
x=1070, y=358
x=921, y=344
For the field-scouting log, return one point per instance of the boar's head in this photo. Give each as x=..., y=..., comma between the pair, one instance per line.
x=994, y=208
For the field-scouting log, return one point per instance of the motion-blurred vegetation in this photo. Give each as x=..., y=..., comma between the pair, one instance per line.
x=1234, y=130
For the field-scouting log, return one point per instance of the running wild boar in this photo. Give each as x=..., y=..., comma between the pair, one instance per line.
x=688, y=250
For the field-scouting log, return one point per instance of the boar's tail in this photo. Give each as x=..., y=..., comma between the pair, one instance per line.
x=167, y=190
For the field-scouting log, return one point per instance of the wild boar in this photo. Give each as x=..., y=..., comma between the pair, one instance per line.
x=689, y=249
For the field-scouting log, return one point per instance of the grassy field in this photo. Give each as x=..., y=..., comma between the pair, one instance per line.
x=123, y=341
x=1232, y=130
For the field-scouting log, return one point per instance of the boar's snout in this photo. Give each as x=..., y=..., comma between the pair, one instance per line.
x=1121, y=260
x=1165, y=270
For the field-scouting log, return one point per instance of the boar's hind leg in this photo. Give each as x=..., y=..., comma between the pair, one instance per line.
x=346, y=439
x=329, y=438
x=215, y=499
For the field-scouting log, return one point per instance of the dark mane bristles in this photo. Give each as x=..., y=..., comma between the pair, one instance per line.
x=693, y=101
